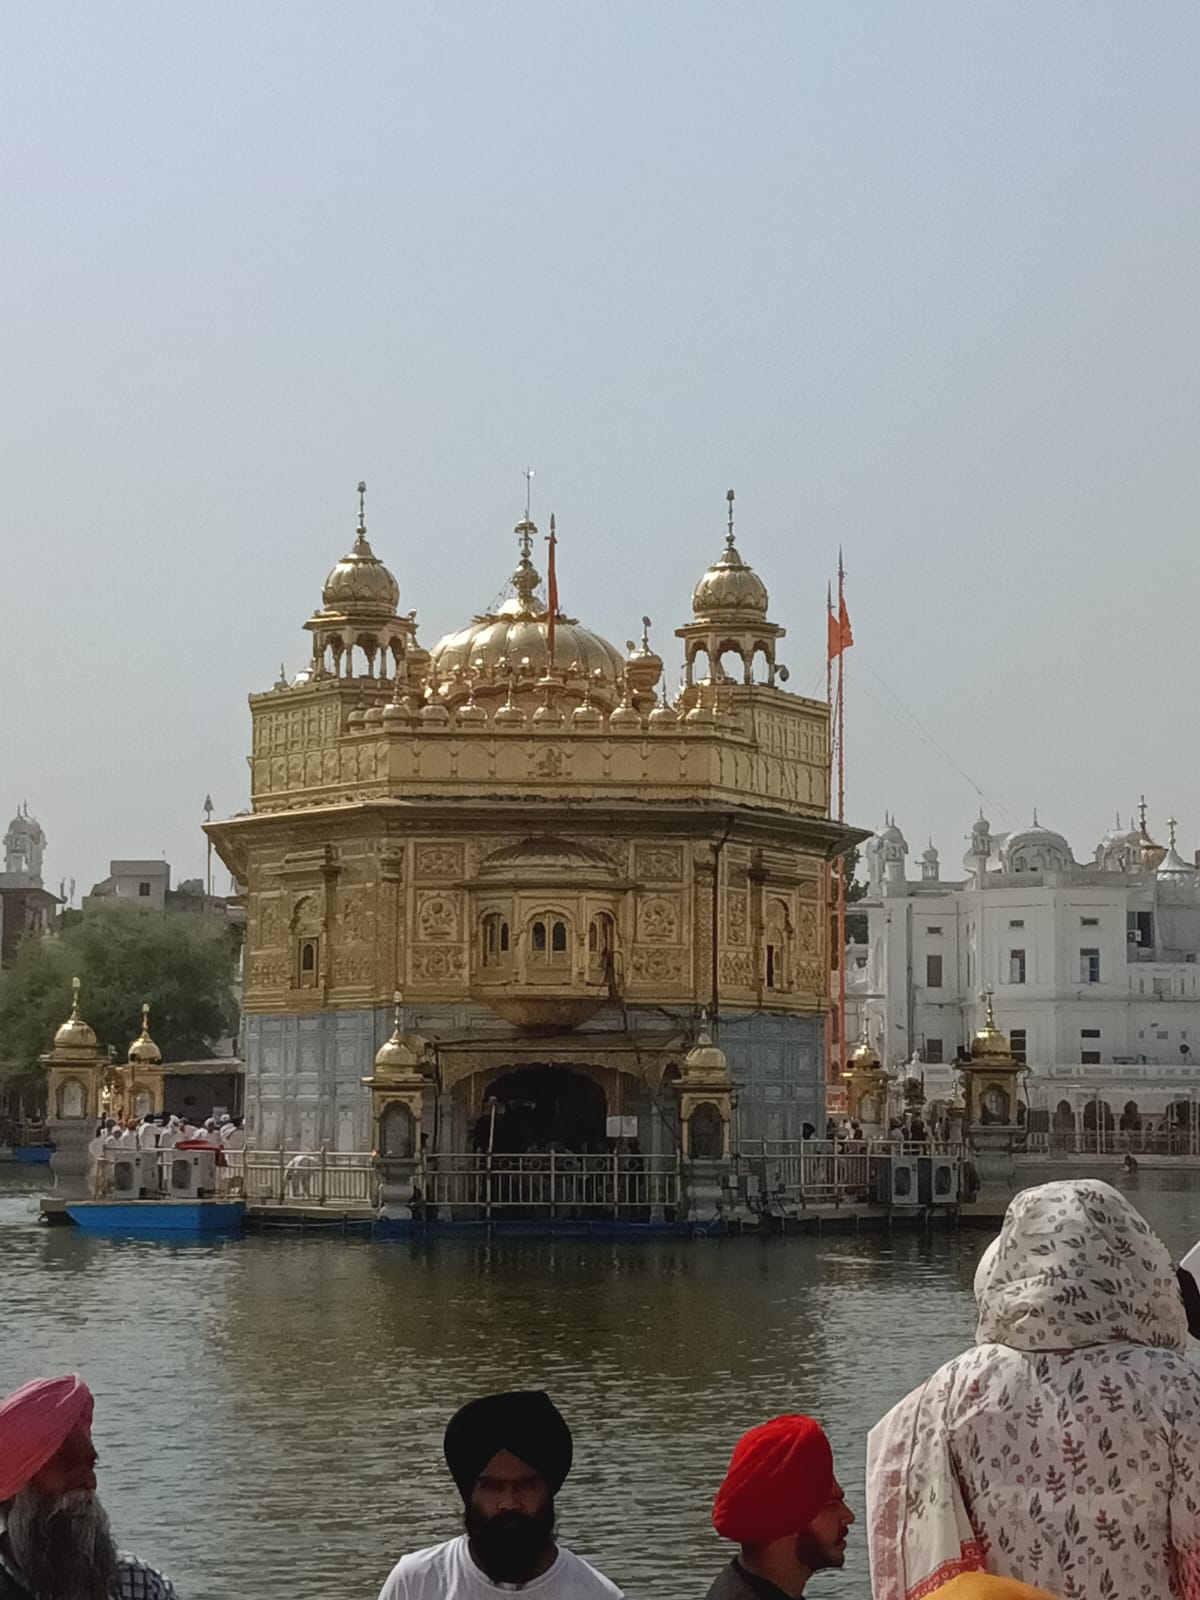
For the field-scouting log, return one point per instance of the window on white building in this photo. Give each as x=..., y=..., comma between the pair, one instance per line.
x=1089, y=1058
x=1016, y=1041
x=1089, y=966
x=933, y=972
x=1089, y=1033
x=1089, y=922
x=934, y=1051
x=1016, y=966
x=1017, y=922
x=931, y=930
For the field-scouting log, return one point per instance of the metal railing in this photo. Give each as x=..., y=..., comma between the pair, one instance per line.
x=1120, y=1141
x=301, y=1177
x=830, y=1171
x=555, y=1185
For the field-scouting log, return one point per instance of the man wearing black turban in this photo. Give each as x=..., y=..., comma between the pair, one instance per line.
x=509, y=1454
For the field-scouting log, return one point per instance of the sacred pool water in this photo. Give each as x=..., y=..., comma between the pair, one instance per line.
x=270, y=1411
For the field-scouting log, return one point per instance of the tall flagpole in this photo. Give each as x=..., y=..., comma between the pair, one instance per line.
x=830, y=900
x=841, y=816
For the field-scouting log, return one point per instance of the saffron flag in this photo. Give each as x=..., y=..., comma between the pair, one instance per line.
x=551, y=591
x=840, y=636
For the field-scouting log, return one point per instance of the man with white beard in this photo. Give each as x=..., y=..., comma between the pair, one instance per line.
x=55, y=1542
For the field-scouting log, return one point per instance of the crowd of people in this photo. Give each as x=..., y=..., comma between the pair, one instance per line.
x=1058, y=1457
x=157, y=1131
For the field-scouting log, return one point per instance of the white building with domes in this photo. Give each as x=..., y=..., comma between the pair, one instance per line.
x=1094, y=965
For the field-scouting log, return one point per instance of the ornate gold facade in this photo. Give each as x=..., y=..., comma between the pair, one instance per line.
x=526, y=837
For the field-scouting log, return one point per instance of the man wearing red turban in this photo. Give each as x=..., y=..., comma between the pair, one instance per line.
x=781, y=1502
x=55, y=1540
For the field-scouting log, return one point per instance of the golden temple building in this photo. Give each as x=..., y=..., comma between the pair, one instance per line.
x=564, y=872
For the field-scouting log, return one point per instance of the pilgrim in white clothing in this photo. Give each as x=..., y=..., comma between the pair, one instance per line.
x=1064, y=1449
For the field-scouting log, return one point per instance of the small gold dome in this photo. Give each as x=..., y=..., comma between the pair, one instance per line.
x=663, y=716
x=700, y=714
x=866, y=1057
x=75, y=1035
x=705, y=1059
x=471, y=713
x=361, y=582
x=989, y=1042
x=586, y=715
x=625, y=718
x=373, y=718
x=357, y=717
x=436, y=713
x=548, y=715
x=143, y=1051
x=397, y=1056
x=643, y=666
x=730, y=589
x=397, y=714
x=509, y=715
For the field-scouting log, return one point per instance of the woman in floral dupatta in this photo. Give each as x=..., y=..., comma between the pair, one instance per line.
x=1064, y=1449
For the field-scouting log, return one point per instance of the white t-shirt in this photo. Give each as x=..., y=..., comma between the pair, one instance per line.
x=447, y=1572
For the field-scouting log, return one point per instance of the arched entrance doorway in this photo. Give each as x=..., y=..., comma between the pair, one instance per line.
x=542, y=1108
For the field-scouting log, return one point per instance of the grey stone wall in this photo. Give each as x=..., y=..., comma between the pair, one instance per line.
x=304, y=1072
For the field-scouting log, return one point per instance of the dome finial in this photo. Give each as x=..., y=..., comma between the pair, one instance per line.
x=74, y=999
x=528, y=493
x=361, y=539
x=1171, y=826
x=729, y=534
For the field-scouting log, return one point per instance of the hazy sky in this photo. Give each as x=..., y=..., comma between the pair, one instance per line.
x=916, y=279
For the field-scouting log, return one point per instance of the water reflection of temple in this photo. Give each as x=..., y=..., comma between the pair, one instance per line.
x=556, y=863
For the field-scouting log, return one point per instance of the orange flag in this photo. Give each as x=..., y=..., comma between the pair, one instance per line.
x=844, y=631
x=840, y=636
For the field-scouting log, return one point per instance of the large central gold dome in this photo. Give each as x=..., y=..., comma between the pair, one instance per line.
x=512, y=643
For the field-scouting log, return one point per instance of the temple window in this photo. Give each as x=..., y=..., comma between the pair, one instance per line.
x=310, y=962
x=496, y=942
x=602, y=941
x=548, y=941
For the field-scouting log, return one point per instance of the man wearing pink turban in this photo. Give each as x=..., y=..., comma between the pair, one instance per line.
x=55, y=1541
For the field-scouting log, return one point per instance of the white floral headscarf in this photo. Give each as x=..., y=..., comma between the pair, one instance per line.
x=1077, y=1378
x=1075, y=1265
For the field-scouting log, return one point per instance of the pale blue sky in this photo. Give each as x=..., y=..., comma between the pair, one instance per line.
x=918, y=279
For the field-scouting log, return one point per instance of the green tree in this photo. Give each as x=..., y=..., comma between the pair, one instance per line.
x=183, y=965
x=856, y=921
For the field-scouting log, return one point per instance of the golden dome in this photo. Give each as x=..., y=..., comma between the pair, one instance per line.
x=471, y=713
x=643, y=666
x=585, y=714
x=625, y=719
x=143, y=1051
x=730, y=589
x=510, y=714
x=664, y=715
x=866, y=1057
x=705, y=1059
x=75, y=1035
x=361, y=582
x=989, y=1042
x=397, y=1058
x=513, y=641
